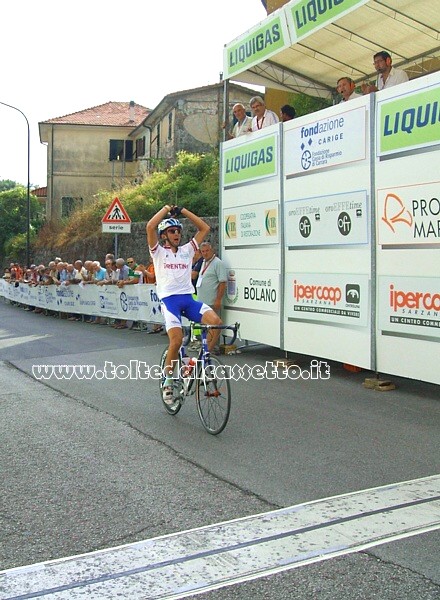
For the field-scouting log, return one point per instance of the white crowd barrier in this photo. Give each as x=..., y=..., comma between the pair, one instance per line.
x=132, y=302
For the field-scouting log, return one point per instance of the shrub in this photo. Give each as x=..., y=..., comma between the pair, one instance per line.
x=193, y=182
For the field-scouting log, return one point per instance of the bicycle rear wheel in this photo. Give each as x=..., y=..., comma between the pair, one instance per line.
x=213, y=396
x=174, y=408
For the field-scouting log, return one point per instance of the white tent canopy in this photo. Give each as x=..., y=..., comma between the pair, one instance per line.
x=307, y=45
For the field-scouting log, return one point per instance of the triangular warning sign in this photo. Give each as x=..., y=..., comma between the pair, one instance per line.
x=116, y=213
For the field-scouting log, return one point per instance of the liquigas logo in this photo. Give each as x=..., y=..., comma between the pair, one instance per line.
x=411, y=121
x=270, y=222
x=231, y=226
x=250, y=161
x=309, y=15
x=255, y=46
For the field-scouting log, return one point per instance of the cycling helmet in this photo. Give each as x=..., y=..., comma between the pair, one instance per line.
x=166, y=223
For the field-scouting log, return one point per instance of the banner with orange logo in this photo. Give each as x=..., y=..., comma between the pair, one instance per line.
x=410, y=305
x=337, y=298
x=409, y=215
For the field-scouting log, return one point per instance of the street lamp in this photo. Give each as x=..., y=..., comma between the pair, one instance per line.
x=28, y=210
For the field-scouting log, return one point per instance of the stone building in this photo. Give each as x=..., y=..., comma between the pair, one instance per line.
x=111, y=145
x=188, y=120
x=88, y=151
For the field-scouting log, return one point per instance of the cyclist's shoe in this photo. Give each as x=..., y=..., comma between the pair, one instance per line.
x=168, y=394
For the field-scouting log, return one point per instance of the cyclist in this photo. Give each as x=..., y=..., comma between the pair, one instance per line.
x=173, y=266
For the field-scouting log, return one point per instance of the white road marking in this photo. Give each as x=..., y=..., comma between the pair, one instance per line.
x=195, y=561
x=15, y=341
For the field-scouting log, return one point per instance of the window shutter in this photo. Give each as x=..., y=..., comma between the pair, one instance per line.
x=129, y=150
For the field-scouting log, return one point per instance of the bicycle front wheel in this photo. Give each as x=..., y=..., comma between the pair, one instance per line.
x=213, y=396
x=173, y=408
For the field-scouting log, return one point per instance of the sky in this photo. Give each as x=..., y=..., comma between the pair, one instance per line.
x=63, y=57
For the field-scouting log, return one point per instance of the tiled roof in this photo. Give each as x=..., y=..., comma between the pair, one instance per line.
x=40, y=192
x=111, y=113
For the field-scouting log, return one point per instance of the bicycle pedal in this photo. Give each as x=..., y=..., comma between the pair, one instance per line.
x=214, y=394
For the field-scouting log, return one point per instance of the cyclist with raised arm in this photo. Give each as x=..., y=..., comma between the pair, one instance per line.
x=173, y=266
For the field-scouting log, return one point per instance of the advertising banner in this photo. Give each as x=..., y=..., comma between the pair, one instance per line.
x=337, y=298
x=132, y=302
x=327, y=220
x=251, y=225
x=410, y=305
x=258, y=44
x=409, y=215
x=305, y=17
x=328, y=142
x=253, y=290
x=255, y=159
x=409, y=121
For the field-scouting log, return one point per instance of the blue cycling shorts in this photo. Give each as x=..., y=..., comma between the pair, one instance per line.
x=182, y=305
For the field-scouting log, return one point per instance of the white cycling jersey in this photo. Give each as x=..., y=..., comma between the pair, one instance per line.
x=173, y=270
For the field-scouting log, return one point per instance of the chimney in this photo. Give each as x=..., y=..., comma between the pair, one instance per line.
x=131, y=111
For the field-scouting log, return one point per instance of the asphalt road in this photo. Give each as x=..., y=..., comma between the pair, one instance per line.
x=89, y=464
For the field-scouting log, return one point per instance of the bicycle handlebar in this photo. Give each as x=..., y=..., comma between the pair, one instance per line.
x=234, y=328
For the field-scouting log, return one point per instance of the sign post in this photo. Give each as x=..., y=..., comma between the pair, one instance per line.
x=116, y=220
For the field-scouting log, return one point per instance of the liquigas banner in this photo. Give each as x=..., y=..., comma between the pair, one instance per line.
x=410, y=305
x=409, y=215
x=409, y=121
x=337, y=298
x=258, y=44
x=304, y=17
x=253, y=160
x=251, y=225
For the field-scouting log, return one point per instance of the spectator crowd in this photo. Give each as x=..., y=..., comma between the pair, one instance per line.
x=387, y=76
x=117, y=271
x=208, y=276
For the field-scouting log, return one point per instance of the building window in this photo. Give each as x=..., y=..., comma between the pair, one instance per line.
x=121, y=150
x=69, y=204
x=140, y=147
x=170, y=126
x=158, y=140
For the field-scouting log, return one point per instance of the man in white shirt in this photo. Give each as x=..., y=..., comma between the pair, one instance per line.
x=263, y=117
x=387, y=75
x=345, y=87
x=244, y=122
x=173, y=268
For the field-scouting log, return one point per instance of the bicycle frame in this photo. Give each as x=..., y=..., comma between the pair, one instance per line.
x=212, y=390
x=202, y=360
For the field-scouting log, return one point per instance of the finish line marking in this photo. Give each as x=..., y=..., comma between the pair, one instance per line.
x=196, y=561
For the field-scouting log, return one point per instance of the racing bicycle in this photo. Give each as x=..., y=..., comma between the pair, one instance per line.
x=206, y=376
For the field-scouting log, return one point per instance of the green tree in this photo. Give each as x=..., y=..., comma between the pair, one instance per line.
x=193, y=182
x=7, y=184
x=13, y=216
x=305, y=104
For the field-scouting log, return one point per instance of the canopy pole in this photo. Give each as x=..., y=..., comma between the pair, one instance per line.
x=225, y=107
